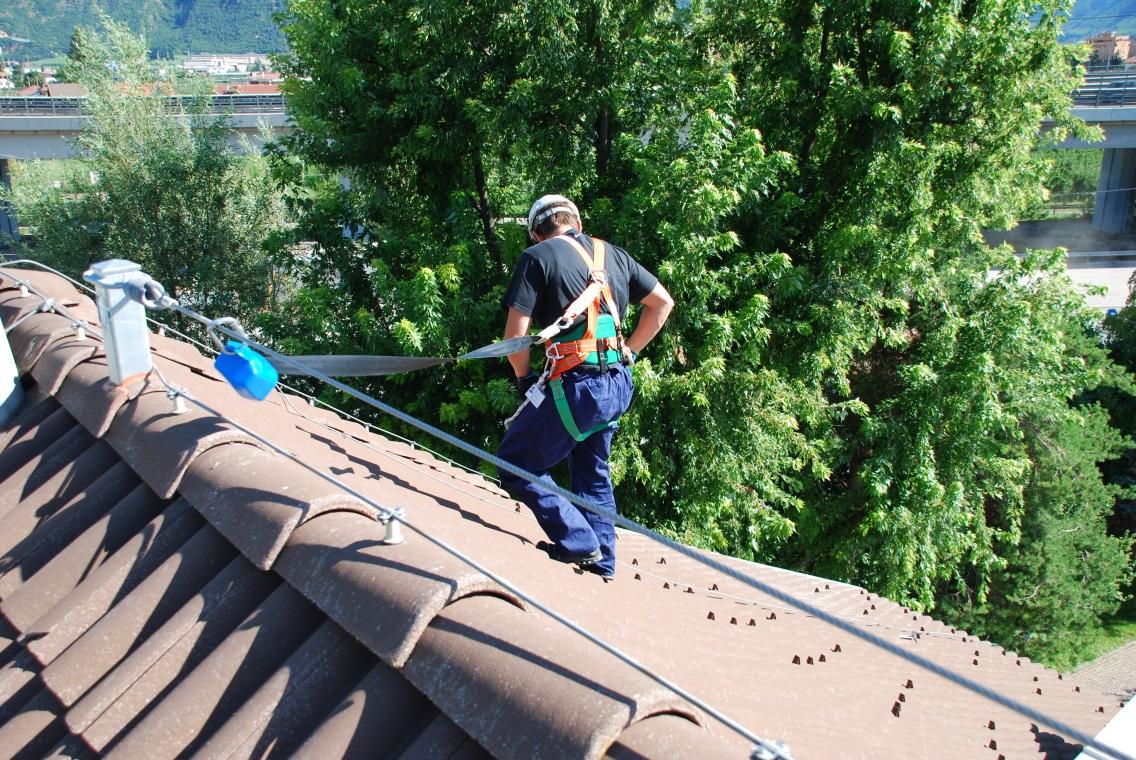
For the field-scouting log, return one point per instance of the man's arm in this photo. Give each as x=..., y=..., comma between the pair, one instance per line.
x=516, y=325
x=657, y=307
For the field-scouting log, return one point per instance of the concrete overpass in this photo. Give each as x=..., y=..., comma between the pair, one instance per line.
x=42, y=128
x=1112, y=211
x=1108, y=100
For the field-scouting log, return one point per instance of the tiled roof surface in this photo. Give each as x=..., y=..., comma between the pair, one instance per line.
x=65, y=90
x=169, y=587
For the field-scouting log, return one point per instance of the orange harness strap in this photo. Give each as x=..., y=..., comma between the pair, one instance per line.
x=570, y=354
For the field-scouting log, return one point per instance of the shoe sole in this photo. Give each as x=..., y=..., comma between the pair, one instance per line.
x=583, y=561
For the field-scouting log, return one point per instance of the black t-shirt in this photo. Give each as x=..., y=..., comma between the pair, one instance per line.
x=551, y=275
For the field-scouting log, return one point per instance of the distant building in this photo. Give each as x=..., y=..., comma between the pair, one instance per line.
x=1110, y=47
x=223, y=64
x=65, y=90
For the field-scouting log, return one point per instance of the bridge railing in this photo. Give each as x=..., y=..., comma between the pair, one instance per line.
x=40, y=105
x=1107, y=89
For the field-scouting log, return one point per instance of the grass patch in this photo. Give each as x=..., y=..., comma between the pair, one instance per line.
x=1115, y=630
x=49, y=171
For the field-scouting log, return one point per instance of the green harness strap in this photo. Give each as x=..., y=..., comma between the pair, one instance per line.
x=565, y=413
x=605, y=328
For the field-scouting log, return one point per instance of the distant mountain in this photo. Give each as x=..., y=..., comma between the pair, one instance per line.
x=171, y=26
x=242, y=26
x=1094, y=16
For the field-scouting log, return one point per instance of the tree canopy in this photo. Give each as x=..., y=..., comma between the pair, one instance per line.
x=853, y=383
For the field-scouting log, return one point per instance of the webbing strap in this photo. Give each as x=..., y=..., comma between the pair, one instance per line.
x=565, y=413
x=594, y=265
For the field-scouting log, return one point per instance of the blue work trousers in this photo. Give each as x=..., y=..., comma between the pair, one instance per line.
x=537, y=441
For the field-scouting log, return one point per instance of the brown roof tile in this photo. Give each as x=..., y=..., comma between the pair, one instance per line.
x=61, y=358
x=294, y=697
x=35, y=334
x=86, y=553
x=160, y=445
x=369, y=720
x=178, y=647
x=30, y=433
x=384, y=595
x=138, y=615
x=667, y=735
x=90, y=398
x=203, y=701
x=47, y=473
x=60, y=521
x=101, y=592
x=576, y=700
x=259, y=520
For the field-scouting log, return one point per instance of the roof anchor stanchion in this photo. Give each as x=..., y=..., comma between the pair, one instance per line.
x=123, y=317
x=391, y=521
x=11, y=388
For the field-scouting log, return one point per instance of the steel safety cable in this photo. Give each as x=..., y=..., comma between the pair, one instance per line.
x=496, y=504
x=1089, y=743
x=388, y=513
x=47, y=305
x=371, y=427
x=450, y=483
x=772, y=749
x=212, y=350
x=501, y=464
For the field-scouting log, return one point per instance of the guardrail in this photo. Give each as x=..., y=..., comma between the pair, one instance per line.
x=1107, y=89
x=41, y=105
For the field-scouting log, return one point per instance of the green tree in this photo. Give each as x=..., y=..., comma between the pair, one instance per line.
x=164, y=188
x=853, y=382
x=83, y=53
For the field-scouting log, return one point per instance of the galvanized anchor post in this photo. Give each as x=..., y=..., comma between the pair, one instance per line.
x=11, y=389
x=117, y=285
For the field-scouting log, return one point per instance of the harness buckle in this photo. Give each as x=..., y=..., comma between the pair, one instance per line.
x=552, y=352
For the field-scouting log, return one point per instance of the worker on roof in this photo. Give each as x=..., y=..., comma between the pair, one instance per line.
x=571, y=408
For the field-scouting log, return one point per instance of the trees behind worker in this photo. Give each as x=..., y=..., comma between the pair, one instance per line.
x=853, y=383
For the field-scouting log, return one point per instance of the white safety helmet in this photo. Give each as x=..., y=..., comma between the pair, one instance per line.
x=546, y=206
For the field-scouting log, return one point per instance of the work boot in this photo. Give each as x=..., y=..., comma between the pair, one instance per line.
x=557, y=553
x=607, y=573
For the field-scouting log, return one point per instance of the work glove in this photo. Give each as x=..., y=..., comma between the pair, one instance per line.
x=526, y=382
x=629, y=357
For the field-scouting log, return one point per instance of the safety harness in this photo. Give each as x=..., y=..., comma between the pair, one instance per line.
x=598, y=342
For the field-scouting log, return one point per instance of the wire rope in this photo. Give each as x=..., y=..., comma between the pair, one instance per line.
x=774, y=747
x=800, y=604
x=1090, y=744
x=769, y=749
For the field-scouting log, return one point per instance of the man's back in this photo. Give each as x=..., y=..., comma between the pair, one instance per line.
x=551, y=274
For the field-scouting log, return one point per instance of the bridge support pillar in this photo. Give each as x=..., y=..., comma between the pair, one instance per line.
x=9, y=227
x=1112, y=212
